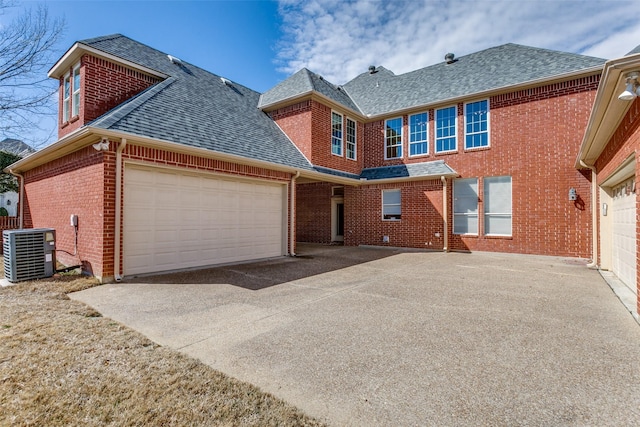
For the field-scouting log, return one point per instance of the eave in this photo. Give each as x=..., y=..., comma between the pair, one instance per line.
x=608, y=111
x=76, y=51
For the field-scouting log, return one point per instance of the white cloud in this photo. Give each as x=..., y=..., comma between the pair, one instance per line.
x=340, y=39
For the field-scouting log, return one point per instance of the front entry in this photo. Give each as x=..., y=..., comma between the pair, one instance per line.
x=337, y=220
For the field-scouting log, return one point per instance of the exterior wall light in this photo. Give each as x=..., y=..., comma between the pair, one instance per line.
x=633, y=87
x=573, y=196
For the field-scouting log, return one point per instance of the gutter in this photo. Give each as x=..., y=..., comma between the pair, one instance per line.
x=117, y=245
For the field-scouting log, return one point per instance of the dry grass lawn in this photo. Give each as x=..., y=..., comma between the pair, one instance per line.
x=61, y=363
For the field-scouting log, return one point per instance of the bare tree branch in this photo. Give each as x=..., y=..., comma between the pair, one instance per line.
x=26, y=52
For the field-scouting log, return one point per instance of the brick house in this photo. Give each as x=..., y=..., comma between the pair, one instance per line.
x=169, y=166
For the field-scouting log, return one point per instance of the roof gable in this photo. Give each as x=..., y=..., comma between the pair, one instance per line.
x=305, y=82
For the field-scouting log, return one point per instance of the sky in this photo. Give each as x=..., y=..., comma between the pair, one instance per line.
x=261, y=42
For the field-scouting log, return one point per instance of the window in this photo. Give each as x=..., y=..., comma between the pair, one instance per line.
x=497, y=206
x=351, y=139
x=66, y=98
x=336, y=134
x=418, y=128
x=393, y=138
x=465, y=206
x=476, y=119
x=446, y=119
x=76, y=90
x=391, y=204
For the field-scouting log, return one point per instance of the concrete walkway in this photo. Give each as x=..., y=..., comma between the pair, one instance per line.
x=376, y=337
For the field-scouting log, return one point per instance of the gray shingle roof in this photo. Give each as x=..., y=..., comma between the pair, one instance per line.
x=196, y=108
x=303, y=82
x=509, y=64
x=412, y=170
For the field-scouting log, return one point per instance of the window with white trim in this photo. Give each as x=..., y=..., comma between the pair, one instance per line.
x=476, y=124
x=336, y=134
x=418, y=130
x=66, y=97
x=465, y=206
x=391, y=205
x=393, y=138
x=497, y=206
x=351, y=139
x=75, y=103
x=446, y=126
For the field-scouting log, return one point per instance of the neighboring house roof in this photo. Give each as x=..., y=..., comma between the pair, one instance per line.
x=196, y=108
x=15, y=146
x=491, y=69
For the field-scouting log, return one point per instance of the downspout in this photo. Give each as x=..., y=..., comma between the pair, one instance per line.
x=594, y=214
x=293, y=214
x=117, y=246
x=445, y=214
x=21, y=199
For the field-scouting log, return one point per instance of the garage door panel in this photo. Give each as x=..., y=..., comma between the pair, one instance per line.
x=176, y=220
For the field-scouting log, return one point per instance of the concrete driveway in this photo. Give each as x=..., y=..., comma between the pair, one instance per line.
x=379, y=337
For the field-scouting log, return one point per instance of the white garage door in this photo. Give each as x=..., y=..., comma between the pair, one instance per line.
x=623, y=209
x=175, y=220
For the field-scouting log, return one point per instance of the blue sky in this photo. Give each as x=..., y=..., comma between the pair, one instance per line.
x=259, y=43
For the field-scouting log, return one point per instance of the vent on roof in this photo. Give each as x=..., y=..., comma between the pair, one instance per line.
x=450, y=58
x=225, y=81
x=175, y=60
x=372, y=69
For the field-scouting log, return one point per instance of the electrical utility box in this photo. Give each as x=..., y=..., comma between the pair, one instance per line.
x=29, y=254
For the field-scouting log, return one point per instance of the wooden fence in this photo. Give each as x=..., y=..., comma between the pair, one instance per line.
x=8, y=223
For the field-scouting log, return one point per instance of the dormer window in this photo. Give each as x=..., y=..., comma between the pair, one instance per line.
x=66, y=98
x=76, y=90
x=71, y=94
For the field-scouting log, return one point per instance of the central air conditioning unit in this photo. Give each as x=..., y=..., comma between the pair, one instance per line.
x=29, y=254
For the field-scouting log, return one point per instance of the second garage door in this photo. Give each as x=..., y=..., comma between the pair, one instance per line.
x=623, y=208
x=175, y=220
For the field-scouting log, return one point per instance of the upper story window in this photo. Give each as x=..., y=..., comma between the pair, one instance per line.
x=351, y=139
x=336, y=134
x=66, y=97
x=476, y=122
x=418, y=130
x=76, y=90
x=71, y=94
x=446, y=119
x=393, y=138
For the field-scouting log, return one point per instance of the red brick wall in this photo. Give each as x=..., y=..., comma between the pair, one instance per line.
x=422, y=218
x=295, y=121
x=72, y=184
x=313, y=212
x=535, y=135
x=104, y=85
